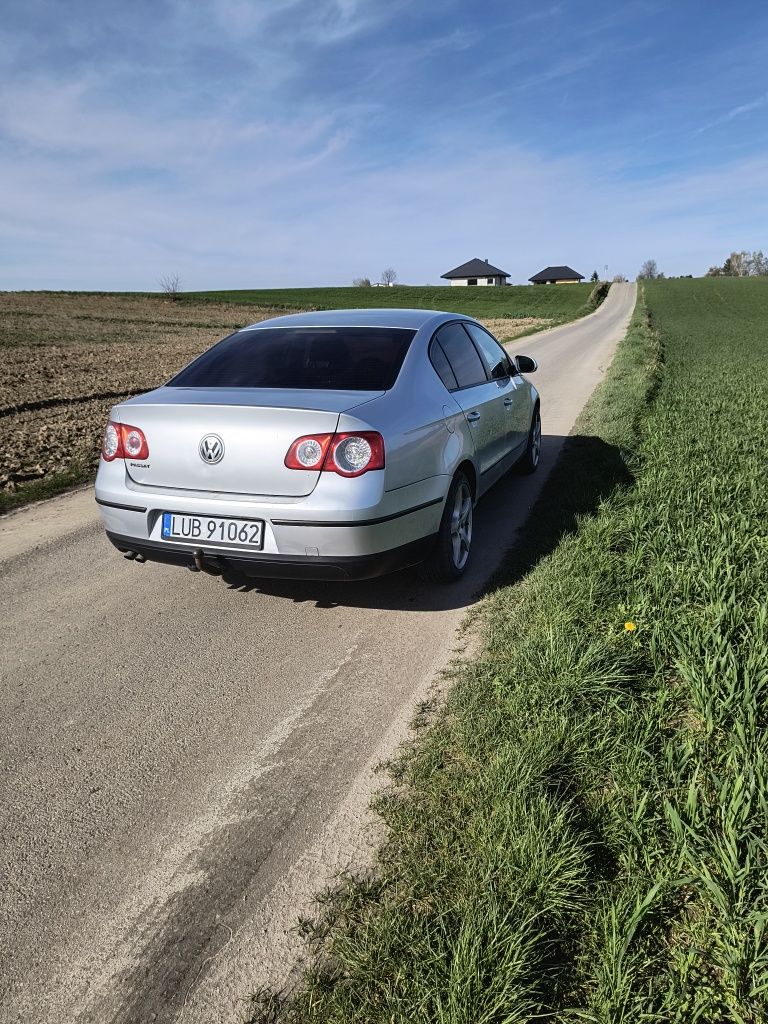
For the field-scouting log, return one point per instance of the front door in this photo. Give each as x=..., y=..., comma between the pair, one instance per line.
x=516, y=395
x=481, y=400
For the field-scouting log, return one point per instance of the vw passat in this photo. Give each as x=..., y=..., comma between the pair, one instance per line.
x=335, y=445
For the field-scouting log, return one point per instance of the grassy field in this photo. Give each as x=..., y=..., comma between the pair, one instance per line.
x=551, y=302
x=68, y=356
x=580, y=833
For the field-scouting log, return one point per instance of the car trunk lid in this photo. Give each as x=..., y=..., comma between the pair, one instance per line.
x=231, y=440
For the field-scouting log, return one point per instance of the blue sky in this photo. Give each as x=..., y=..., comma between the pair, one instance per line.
x=257, y=143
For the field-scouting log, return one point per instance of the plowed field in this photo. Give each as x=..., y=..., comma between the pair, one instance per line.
x=65, y=359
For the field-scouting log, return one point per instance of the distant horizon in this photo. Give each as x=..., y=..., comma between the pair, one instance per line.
x=288, y=288
x=292, y=140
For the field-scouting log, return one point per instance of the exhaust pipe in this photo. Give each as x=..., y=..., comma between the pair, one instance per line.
x=211, y=567
x=134, y=556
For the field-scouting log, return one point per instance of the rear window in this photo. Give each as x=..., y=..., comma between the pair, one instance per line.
x=316, y=358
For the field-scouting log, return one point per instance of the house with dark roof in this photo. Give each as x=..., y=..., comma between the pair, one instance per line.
x=476, y=272
x=556, y=275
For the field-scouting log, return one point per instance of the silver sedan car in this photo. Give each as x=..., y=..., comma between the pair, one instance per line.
x=334, y=446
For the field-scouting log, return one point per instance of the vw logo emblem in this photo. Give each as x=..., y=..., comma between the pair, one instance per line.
x=211, y=449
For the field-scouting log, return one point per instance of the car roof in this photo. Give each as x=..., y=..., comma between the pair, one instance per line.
x=411, y=318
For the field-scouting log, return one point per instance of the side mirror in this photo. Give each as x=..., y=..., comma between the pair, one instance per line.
x=526, y=364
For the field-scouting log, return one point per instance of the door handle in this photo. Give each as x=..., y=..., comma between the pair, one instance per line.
x=473, y=417
x=509, y=401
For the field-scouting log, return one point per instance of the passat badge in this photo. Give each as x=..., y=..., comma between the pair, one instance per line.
x=211, y=449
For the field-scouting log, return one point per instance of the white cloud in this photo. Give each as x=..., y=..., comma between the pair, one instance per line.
x=107, y=183
x=734, y=112
x=298, y=203
x=263, y=22
x=71, y=124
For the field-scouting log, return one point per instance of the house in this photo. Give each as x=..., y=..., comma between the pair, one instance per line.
x=479, y=272
x=556, y=275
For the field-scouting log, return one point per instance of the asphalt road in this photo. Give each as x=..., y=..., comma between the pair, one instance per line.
x=184, y=763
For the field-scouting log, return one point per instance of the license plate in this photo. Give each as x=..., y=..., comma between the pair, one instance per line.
x=248, y=533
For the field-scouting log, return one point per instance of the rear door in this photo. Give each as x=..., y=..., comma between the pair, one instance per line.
x=479, y=398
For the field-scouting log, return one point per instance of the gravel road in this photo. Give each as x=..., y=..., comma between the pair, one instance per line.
x=184, y=763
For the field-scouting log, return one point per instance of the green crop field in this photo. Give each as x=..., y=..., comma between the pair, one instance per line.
x=560, y=302
x=579, y=833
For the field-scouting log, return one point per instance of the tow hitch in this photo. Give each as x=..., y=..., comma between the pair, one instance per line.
x=212, y=566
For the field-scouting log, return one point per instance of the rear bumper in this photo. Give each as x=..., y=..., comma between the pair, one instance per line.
x=276, y=566
x=345, y=529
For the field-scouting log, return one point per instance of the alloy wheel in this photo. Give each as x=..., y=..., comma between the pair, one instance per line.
x=461, y=525
x=536, y=441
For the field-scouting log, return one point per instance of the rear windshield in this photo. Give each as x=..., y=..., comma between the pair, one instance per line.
x=328, y=358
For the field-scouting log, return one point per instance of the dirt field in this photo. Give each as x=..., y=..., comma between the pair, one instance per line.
x=505, y=329
x=66, y=358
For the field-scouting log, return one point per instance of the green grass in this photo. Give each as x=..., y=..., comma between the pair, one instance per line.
x=563, y=302
x=580, y=834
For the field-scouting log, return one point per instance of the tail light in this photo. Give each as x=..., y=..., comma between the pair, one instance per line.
x=345, y=454
x=122, y=441
x=308, y=452
x=353, y=454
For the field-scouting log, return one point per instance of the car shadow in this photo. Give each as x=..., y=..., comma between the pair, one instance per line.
x=520, y=521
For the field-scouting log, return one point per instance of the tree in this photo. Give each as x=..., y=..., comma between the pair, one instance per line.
x=742, y=264
x=388, y=276
x=758, y=264
x=361, y=282
x=737, y=265
x=618, y=278
x=595, y=277
x=171, y=285
x=649, y=271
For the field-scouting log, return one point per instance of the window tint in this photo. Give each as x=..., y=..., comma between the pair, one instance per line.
x=318, y=358
x=462, y=355
x=494, y=355
x=441, y=364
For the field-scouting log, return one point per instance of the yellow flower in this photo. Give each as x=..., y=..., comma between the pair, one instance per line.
x=630, y=627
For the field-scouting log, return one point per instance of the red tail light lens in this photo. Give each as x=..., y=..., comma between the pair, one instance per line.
x=308, y=452
x=122, y=441
x=345, y=454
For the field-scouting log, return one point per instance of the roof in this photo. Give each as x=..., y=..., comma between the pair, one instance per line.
x=411, y=318
x=557, y=274
x=475, y=268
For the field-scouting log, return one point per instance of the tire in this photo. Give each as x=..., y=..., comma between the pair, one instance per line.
x=530, y=459
x=450, y=557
